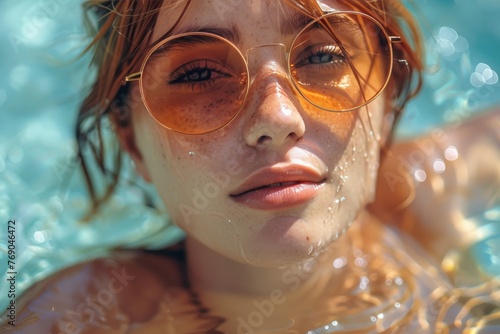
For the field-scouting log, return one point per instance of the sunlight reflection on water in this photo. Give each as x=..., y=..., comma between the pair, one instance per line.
x=41, y=87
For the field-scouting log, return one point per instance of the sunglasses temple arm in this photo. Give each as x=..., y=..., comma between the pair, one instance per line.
x=395, y=39
x=132, y=77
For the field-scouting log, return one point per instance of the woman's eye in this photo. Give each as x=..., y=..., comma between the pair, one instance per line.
x=198, y=71
x=199, y=75
x=321, y=58
x=321, y=54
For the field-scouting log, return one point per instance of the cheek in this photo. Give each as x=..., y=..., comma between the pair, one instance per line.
x=165, y=161
x=354, y=165
x=186, y=170
x=361, y=157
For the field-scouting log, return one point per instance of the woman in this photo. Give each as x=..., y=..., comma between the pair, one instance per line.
x=262, y=133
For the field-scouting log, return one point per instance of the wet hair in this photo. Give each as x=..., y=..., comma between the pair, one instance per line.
x=121, y=31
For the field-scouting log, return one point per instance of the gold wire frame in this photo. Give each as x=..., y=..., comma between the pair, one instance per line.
x=137, y=76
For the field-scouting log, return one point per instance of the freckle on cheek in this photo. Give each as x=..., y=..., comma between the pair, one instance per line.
x=203, y=113
x=339, y=122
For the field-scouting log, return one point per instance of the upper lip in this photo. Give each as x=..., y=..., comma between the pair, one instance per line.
x=275, y=175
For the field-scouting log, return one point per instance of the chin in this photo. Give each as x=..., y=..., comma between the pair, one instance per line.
x=288, y=240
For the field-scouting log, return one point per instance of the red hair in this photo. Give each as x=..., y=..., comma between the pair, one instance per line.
x=122, y=37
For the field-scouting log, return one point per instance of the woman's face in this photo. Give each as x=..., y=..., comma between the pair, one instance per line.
x=281, y=181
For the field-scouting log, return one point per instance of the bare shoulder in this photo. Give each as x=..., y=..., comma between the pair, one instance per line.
x=453, y=170
x=105, y=292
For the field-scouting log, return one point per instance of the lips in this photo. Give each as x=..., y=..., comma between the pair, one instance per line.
x=279, y=187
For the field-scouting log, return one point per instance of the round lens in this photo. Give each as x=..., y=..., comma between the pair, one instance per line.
x=341, y=61
x=194, y=83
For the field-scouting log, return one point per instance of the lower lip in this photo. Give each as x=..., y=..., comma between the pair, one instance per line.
x=275, y=198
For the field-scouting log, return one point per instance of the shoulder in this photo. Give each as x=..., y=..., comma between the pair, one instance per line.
x=102, y=291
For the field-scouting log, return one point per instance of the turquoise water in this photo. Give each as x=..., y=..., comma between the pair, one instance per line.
x=463, y=42
x=40, y=89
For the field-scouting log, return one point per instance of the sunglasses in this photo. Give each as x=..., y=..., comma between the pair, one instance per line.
x=197, y=82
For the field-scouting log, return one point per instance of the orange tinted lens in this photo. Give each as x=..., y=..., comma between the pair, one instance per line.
x=341, y=62
x=194, y=83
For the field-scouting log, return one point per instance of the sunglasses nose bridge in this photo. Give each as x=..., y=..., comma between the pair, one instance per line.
x=268, y=58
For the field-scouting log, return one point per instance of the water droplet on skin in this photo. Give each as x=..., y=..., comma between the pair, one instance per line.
x=310, y=250
x=340, y=200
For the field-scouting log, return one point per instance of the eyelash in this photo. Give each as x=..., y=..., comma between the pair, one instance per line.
x=334, y=51
x=181, y=75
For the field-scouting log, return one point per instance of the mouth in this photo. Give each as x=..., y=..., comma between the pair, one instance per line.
x=279, y=188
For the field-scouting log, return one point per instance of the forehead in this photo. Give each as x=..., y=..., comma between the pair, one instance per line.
x=247, y=16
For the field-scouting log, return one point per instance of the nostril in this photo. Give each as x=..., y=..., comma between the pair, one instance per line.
x=264, y=139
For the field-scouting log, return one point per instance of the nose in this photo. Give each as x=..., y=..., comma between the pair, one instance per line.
x=272, y=118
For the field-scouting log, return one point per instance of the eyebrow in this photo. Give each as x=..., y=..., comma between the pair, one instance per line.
x=179, y=44
x=231, y=34
x=288, y=27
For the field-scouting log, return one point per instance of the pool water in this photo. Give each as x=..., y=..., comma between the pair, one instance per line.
x=381, y=285
x=41, y=188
